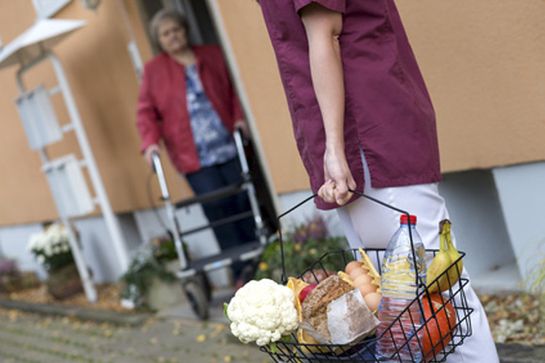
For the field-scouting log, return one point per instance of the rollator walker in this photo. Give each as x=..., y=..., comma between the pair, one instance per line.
x=193, y=272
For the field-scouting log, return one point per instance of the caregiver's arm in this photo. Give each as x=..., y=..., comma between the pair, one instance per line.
x=323, y=27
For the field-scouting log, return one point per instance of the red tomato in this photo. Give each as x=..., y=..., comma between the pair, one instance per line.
x=438, y=328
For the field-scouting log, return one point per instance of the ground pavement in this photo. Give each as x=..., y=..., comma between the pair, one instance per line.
x=30, y=338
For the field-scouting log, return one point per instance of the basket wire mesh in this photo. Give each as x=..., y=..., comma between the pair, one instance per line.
x=432, y=337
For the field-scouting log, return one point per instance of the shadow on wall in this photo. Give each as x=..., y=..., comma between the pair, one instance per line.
x=478, y=222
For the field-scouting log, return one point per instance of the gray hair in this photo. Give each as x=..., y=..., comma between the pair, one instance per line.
x=162, y=15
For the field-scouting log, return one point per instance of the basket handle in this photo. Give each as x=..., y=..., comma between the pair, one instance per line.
x=361, y=194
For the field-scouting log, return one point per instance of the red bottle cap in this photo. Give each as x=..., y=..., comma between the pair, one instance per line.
x=405, y=220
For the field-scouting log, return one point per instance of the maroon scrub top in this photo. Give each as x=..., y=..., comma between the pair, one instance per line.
x=388, y=111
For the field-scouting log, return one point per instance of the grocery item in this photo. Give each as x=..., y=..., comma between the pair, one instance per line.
x=297, y=285
x=352, y=265
x=366, y=289
x=437, y=332
x=262, y=312
x=366, y=279
x=362, y=280
x=372, y=300
x=314, y=307
x=306, y=290
x=370, y=268
x=399, y=288
x=349, y=319
x=335, y=313
x=363, y=272
x=446, y=256
x=345, y=277
x=357, y=272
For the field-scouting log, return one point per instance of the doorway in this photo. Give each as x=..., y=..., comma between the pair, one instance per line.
x=203, y=31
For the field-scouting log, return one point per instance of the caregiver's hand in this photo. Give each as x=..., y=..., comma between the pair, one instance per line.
x=338, y=178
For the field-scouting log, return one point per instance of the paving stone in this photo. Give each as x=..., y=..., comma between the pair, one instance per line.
x=517, y=353
x=34, y=338
x=30, y=338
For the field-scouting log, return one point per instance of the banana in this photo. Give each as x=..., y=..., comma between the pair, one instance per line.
x=438, y=265
x=446, y=256
x=453, y=252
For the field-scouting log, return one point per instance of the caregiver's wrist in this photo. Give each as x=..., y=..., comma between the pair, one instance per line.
x=335, y=148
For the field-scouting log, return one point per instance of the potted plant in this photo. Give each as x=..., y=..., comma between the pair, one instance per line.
x=51, y=248
x=9, y=275
x=151, y=277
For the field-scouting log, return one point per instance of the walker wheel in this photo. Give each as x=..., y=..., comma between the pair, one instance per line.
x=202, y=279
x=197, y=299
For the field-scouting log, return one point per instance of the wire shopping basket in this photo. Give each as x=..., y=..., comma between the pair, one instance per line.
x=439, y=322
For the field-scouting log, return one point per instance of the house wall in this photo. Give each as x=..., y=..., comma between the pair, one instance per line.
x=105, y=87
x=482, y=62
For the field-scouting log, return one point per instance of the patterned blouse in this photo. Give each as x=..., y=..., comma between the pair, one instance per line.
x=214, y=143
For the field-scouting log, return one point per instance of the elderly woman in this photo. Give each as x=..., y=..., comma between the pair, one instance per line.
x=188, y=102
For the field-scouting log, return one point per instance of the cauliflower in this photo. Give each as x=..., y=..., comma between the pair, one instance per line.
x=262, y=311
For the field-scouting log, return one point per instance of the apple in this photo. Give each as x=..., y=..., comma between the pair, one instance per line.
x=306, y=290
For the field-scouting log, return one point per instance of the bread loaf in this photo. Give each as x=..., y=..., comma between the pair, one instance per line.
x=315, y=305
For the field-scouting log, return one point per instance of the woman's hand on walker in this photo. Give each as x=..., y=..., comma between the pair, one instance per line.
x=243, y=127
x=149, y=151
x=338, y=179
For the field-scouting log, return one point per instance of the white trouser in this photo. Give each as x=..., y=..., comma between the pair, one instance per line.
x=364, y=220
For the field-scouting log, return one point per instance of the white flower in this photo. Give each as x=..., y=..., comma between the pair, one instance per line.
x=47, y=250
x=34, y=241
x=52, y=241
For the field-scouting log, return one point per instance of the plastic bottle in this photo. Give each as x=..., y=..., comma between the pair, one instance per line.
x=399, y=288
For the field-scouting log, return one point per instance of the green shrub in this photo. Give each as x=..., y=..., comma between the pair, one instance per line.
x=303, y=246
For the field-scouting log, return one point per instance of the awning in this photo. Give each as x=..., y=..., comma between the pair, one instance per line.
x=44, y=34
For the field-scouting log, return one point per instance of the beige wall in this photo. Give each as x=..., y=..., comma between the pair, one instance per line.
x=484, y=62
x=105, y=88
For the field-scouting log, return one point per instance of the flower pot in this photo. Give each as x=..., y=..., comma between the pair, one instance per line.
x=10, y=283
x=64, y=282
x=164, y=294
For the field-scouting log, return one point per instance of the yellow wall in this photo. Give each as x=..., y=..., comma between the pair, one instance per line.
x=105, y=87
x=483, y=61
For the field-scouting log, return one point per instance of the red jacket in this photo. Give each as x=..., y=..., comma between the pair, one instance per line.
x=162, y=107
